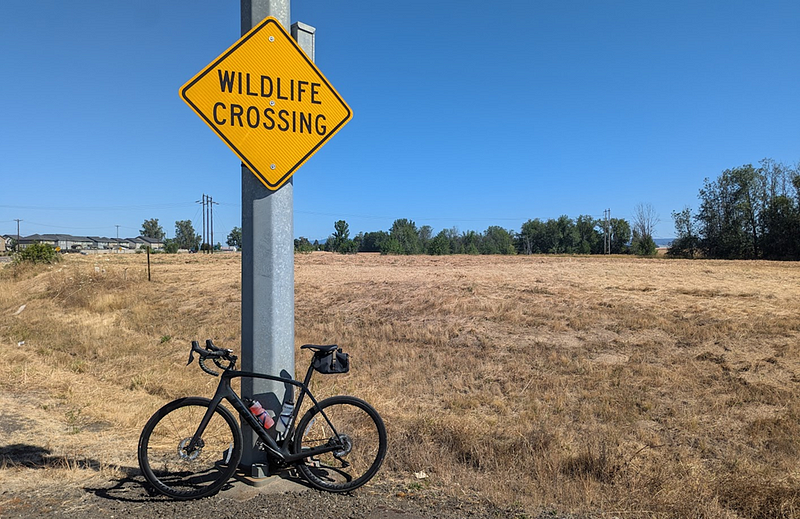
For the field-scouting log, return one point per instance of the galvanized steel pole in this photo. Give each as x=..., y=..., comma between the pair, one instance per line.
x=267, y=274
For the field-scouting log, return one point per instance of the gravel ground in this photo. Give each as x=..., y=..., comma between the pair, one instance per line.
x=129, y=498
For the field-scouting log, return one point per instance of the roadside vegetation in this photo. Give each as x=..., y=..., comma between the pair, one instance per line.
x=747, y=212
x=613, y=385
x=37, y=253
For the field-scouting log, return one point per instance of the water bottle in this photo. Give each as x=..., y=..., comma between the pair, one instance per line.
x=286, y=415
x=261, y=414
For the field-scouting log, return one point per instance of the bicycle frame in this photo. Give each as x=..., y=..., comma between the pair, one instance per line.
x=226, y=392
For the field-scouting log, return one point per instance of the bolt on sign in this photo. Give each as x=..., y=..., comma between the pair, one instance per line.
x=268, y=101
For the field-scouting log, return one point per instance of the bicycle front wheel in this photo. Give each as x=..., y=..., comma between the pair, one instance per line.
x=178, y=472
x=360, y=432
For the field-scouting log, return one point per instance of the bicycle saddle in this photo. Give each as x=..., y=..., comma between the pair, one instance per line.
x=327, y=348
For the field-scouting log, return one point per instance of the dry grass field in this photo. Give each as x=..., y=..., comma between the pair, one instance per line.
x=618, y=386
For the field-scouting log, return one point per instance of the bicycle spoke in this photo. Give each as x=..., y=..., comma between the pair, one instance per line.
x=361, y=442
x=178, y=472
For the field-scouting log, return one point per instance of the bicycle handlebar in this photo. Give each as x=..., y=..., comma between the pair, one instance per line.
x=215, y=354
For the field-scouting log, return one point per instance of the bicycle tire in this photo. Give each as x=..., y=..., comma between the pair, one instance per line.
x=179, y=474
x=362, y=428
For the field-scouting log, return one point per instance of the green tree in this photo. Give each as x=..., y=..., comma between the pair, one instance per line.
x=748, y=212
x=357, y=239
x=470, y=242
x=728, y=214
x=645, y=220
x=454, y=237
x=235, y=238
x=643, y=245
x=372, y=241
x=38, y=252
x=406, y=234
x=686, y=242
x=496, y=240
x=782, y=229
x=170, y=246
x=425, y=235
x=151, y=229
x=561, y=236
x=340, y=239
x=588, y=238
x=780, y=211
x=185, y=236
x=391, y=245
x=620, y=231
x=303, y=245
x=532, y=238
x=440, y=244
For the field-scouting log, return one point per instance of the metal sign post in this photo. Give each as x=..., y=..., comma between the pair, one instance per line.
x=267, y=100
x=267, y=274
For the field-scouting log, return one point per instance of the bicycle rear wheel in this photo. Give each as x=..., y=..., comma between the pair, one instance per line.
x=363, y=444
x=182, y=474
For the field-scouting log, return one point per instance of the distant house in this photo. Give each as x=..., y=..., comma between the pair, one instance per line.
x=121, y=243
x=67, y=242
x=99, y=243
x=62, y=242
x=144, y=241
x=5, y=243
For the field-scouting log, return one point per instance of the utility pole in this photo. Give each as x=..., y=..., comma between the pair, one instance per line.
x=267, y=274
x=117, y=226
x=204, y=247
x=16, y=246
x=211, y=203
x=203, y=233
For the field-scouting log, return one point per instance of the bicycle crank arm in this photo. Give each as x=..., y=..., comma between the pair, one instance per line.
x=310, y=453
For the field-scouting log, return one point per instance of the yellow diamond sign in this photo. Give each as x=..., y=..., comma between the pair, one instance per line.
x=268, y=101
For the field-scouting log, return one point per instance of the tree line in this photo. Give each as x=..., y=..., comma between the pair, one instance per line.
x=563, y=235
x=747, y=212
x=185, y=235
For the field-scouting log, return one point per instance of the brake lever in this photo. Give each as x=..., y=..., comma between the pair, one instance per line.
x=195, y=344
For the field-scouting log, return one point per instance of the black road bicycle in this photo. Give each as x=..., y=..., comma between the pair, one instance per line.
x=191, y=447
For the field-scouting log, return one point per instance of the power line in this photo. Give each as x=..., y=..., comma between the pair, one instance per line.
x=95, y=208
x=47, y=225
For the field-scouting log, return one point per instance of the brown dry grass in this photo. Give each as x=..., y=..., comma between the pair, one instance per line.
x=626, y=387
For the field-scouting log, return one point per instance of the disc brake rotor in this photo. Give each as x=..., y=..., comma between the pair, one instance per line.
x=347, y=446
x=189, y=456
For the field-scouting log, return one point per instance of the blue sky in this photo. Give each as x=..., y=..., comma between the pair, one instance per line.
x=466, y=114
